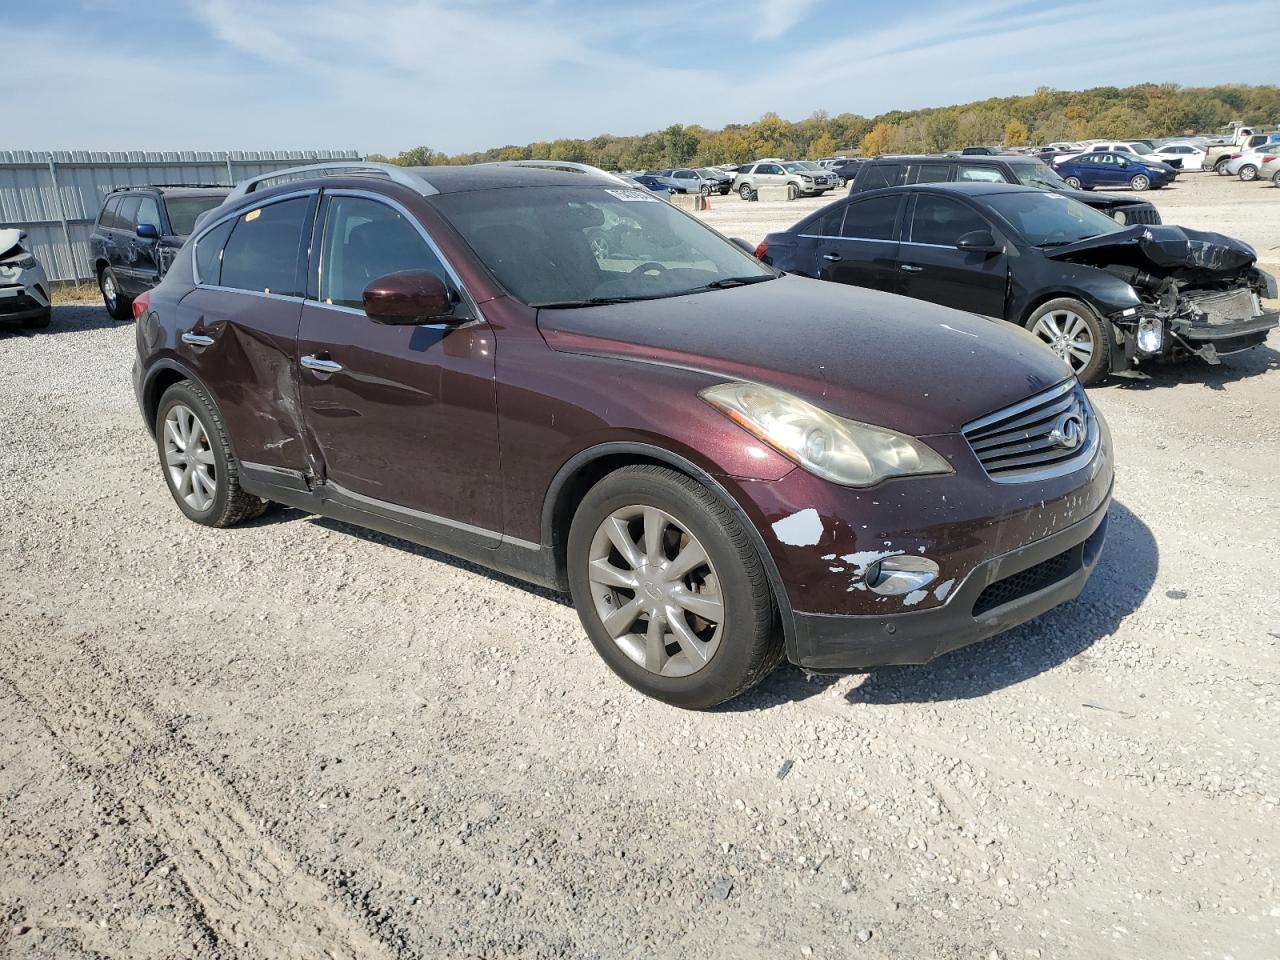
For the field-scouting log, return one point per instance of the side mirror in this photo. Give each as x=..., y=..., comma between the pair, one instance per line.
x=978, y=241
x=738, y=241
x=409, y=297
x=147, y=231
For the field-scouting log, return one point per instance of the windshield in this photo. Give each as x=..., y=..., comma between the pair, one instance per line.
x=184, y=210
x=576, y=246
x=709, y=173
x=1038, y=175
x=1050, y=219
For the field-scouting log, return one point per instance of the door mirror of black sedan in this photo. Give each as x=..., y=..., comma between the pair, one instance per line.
x=980, y=241
x=410, y=297
x=147, y=231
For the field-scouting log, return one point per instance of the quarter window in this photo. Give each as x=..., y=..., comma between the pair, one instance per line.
x=882, y=175
x=872, y=219
x=827, y=225
x=364, y=240
x=943, y=221
x=262, y=252
x=933, y=173
x=209, y=253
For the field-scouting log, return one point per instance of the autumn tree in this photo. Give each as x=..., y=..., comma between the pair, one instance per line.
x=1015, y=134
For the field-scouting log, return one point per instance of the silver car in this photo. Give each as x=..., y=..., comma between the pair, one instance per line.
x=24, y=288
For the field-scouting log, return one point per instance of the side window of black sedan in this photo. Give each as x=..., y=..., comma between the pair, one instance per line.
x=871, y=219
x=941, y=221
x=826, y=225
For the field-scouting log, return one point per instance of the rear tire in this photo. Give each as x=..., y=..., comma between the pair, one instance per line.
x=1248, y=173
x=118, y=305
x=1054, y=324
x=195, y=450
x=665, y=650
x=1220, y=168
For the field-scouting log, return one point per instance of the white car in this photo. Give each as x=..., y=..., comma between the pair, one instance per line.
x=24, y=288
x=1252, y=163
x=1140, y=150
x=1192, y=157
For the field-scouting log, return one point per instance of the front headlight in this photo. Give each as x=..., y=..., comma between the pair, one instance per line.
x=21, y=263
x=843, y=451
x=1120, y=217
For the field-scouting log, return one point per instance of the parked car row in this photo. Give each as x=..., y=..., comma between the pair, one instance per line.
x=725, y=465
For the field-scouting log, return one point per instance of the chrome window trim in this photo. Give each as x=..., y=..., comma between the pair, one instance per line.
x=823, y=236
x=205, y=228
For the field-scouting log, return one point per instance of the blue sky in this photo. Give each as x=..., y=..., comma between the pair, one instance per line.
x=382, y=75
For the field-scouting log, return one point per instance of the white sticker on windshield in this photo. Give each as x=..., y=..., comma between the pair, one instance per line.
x=644, y=195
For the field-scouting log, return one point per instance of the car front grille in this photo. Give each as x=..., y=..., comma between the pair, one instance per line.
x=1048, y=435
x=1143, y=213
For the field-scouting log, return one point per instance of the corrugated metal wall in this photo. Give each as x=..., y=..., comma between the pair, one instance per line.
x=56, y=196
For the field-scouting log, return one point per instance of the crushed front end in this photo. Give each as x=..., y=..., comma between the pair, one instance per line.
x=1200, y=293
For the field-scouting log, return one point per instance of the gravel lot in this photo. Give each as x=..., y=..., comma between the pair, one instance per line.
x=297, y=739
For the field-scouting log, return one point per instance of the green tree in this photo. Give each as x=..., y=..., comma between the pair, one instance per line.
x=679, y=145
x=1015, y=134
x=823, y=146
x=940, y=131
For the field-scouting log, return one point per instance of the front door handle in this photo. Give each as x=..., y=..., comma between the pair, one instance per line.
x=312, y=362
x=197, y=340
x=912, y=268
x=833, y=257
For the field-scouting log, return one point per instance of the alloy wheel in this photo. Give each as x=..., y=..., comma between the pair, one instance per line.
x=1073, y=183
x=1248, y=172
x=109, y=292
x=189, y=458
x=656, y=591
x=1068, y=335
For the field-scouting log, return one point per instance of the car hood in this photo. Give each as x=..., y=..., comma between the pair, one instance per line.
x=1103, y=201
x=1165, y=251
x=876, y=357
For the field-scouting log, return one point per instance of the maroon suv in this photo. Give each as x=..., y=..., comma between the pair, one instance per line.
x=722, y=464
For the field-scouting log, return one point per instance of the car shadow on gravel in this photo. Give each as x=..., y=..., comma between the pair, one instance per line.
x=1236, y=367
x=1122, y=580
x=67, y=318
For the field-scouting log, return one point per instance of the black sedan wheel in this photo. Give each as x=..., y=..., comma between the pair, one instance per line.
x=1072, y=330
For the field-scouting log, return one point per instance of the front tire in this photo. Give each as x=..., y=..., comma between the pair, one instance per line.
x=670, y=589
x=195, y=454
x=1075, y=332
x=118, y=305
x=1140, y=182
x=746, y=193
x=1248, y=173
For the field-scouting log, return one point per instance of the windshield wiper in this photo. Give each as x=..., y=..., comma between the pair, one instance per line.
x=595, y=301
x=728, y=282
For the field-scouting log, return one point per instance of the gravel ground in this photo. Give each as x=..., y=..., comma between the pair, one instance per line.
x=297, y=739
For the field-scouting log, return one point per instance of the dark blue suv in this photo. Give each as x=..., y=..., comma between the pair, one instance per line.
x=137, y=234
x=1105, y=169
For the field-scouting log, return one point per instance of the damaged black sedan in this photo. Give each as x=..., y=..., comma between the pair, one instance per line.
x=1103, y=296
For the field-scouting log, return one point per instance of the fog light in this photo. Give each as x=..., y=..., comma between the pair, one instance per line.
x=893, y=576
x=1150, y=335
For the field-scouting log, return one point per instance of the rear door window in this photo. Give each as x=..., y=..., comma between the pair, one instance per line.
x=364, y=240
x=933, y=173
x=942, y=221
x=872, y=219
x=881, y=175
x=261, y=254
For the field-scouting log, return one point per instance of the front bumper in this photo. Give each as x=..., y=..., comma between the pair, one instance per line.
x=999, y=594
x=20, y=302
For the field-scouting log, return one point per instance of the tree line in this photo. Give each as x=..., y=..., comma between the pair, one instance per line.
x=1110, y=113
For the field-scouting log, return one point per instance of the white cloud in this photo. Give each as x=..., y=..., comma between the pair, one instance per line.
x=773, y=18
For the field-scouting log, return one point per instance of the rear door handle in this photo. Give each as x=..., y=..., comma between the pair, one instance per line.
x=833, y=257
x=197, y=340
x=312, y=362
x=912, y=268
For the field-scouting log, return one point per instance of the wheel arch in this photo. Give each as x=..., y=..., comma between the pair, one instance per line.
x=586, y=468
x=160, y=377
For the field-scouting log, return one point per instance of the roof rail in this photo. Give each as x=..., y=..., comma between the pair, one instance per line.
x=168, y=186
x=559, y=165
x=335, y=168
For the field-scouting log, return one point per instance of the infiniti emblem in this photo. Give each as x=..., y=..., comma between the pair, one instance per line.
x=1068, y=431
